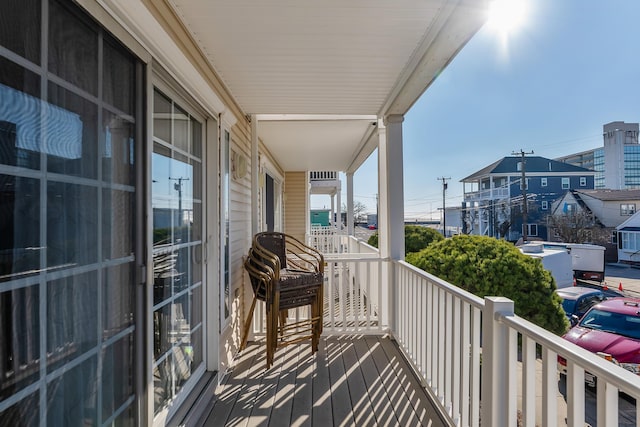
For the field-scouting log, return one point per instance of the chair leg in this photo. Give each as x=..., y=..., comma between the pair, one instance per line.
x=283, y=320
x=247, y=325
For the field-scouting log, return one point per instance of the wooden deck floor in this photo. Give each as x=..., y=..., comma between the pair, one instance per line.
x=351, y=381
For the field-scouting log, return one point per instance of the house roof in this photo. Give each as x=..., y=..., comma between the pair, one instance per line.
x=534, y=164
x=318, y=75
x=611, y=195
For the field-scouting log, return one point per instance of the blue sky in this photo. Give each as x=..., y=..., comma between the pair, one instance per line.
x=571, y=67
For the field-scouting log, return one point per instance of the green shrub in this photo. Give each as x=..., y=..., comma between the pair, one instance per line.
x=416, y=238
x=486, y=266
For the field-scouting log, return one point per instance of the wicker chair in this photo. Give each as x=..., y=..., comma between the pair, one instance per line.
x=285, y=274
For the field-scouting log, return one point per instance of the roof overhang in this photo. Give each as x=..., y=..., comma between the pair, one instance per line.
x=317, y=75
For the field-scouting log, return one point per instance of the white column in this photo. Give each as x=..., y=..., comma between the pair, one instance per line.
x=350, y=229
x=333, y=210
x=496, y=397
x=255, y=172
x=339, y=208
x=391, y=200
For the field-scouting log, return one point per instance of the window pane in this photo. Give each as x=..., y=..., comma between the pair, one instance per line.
x=72, y=224
x=27, y=411
x=162, y=327
x=181, y=127
x=117, y=227
x=119, y=77
x=72, y=134
x=20, y=138
x=161, y=117
x=72, y=304
x=19, y=339
x=118, y=153
x=19, y=227
x=73, y=48
x=118, y=298
x=117, y=375
x=162, y=384
x=20, y=26
x=71, y=398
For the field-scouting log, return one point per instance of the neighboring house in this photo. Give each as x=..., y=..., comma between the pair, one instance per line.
x=628, y=240
x=609, y=207
x=617, y=162
x=493, y=196
x=594, y=215
x=143, y=143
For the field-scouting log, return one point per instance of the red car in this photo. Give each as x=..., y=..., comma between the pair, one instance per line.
x=611, y=329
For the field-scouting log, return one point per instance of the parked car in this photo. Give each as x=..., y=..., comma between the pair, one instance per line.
x=576, y=300
x=611, y=329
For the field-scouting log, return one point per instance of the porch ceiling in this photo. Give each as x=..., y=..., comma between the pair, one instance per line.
x=327, y=58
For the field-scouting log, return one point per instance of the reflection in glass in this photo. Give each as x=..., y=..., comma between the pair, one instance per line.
x=163, y=390
x=118, y=151
x=176, y=172
x=67, y=217
x=72, y=397
x=72, y=144
x=72, y=224
x=117, y=374
x=72, y=303
x=117, y=229
x=118, y=298
x=22, y=414
x=20, y=343
x=73, y=46
x=21, y=17
x=19, y=227
x=118, y=79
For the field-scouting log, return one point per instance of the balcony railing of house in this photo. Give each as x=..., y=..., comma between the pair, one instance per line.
x=463, y=347
x=323, y=175
x=329, y=239
x=491, y=194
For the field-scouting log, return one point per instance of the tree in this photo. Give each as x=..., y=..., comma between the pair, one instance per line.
x=486, y=266
x=359, y=211
x=416, y=238
x=577, y=226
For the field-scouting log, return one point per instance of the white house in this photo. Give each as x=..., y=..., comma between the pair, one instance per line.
x=628, y=240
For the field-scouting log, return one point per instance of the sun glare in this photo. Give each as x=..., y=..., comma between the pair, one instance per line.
x=506, y=16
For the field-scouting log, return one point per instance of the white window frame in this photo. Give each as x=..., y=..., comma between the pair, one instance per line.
x=583, y=181
x=543, y=182
x=545, y=205
x=566, y=183
x=627, y=209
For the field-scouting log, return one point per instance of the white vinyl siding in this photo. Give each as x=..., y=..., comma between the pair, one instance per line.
x=295, y=216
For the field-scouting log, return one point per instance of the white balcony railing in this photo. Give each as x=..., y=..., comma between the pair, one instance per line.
x=323, y=175
x=463, y=347
x=330, y=240
x=491, y=194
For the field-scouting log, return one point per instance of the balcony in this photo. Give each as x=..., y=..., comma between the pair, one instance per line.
x=448, y=340
x=491, y=194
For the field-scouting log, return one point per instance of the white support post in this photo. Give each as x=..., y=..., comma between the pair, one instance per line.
x=391, y=205
x=390, y=176
x=332, y=220
x=495, y=344
x=339, y=209
x=255, y=171
x=350, y=216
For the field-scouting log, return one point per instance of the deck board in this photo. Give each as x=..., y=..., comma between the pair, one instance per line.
x=351, y=381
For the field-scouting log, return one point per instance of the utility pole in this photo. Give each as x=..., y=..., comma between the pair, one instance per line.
x=523, y=185
x=178, y=187
x=444, y=212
